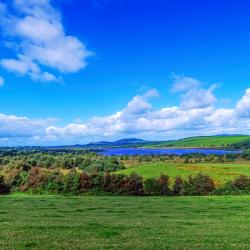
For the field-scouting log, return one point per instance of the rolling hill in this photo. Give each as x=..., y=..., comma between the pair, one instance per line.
x=219, y=141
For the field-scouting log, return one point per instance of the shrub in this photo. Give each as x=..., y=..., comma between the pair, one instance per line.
x=163, y=183
x=36, y=178
x=200, y=184
x=150, y=186
x=12, y=177
x=227, y=189
x=106, y=182
x=178, y=186
x=4, y=189
x=242, y=182
x=71, y=182
x=158, y=186
x=96, y=180
x=133, y=185
x=84, y=182
x=54, y=182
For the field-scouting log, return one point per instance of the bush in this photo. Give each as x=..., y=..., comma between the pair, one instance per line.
x=117, y=183
x=54, y=183
x=107, y=182
x=227, y=189
x=158, y=186
x=133, y=185
x=150, y=186
x=4, y=189
x=242, y=183
x=33, y=179
x=178, y=186
x=71, y=182
x=84, y=182
x=96, y=181
x=200, y=184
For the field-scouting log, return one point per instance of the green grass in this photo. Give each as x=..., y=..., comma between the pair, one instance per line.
x=220, y=172
x=56, y=222
x=207, y=141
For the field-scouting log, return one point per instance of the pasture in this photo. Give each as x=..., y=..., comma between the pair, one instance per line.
x=220, y=172
x=118, y=222
x=218, y=141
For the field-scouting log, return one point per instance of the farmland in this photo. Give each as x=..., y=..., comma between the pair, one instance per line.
x=207, y=142
x=111, y=222
x=220, y=172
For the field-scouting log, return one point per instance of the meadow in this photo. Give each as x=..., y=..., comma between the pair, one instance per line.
x=118, y=222
x=218, y=141
x=220, y=172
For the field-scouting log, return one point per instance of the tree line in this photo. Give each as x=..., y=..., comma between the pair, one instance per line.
x=37, y=180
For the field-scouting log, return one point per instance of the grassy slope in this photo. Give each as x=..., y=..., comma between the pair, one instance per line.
x=220, y=172
x=124, y=222
x=207, y=141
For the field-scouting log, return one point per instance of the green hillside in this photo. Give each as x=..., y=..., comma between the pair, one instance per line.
x=220, y=172
x=232, y=141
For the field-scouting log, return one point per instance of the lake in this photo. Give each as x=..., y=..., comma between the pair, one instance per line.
x=164, y=151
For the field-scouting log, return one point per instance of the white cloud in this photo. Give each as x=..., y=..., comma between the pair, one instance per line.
x=138, y=118
x=243, y=105
x=24, y=66
x=40, y=41
x=193, y=94
x=196, y=114
x=183, y=84
x=12, y=126
x=1, y=81
x=198, y=98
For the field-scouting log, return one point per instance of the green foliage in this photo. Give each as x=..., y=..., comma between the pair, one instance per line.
x=178, y=186
x=4, y=189
x=71, y=182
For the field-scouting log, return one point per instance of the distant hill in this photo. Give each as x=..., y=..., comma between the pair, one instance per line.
x=119, y=143
x=218, y=141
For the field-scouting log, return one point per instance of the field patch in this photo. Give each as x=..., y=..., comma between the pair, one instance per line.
x=220, y=172
x=124, y=222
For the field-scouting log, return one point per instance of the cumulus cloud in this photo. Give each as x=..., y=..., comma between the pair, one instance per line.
x=196, y=114
x=183, y=83
x=12, y=126
x=192, y=92
x=243, y=105
x=198, y=98
x=139, y=118
x=33, y=29
x=1, y=81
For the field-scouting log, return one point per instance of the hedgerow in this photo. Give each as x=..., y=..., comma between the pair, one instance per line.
x=77, y=182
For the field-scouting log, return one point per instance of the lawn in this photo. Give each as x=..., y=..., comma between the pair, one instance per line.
x=109, y=222
x=220, y=172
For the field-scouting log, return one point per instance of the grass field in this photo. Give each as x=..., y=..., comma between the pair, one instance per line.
x=220, y=172
x=56, y=222
x=207, y=141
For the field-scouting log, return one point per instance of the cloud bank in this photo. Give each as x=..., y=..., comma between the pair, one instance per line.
x=34, y=32
x=197, y=114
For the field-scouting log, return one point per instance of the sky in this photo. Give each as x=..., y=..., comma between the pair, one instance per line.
x=76, y=71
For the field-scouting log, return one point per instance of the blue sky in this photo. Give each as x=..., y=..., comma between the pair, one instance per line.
x=74, y=71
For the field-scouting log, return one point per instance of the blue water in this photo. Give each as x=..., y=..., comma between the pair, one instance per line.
x=164, y=151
